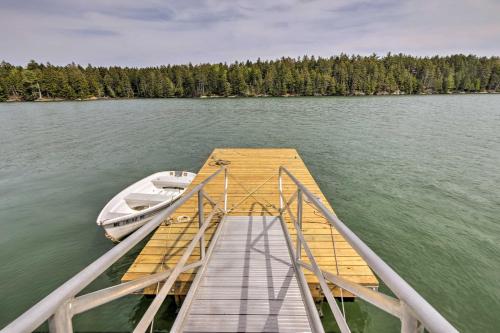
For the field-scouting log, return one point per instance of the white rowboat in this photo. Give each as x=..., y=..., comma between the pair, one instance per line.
x=140, y=202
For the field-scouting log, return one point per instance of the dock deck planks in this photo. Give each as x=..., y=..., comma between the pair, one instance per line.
x=253, y=190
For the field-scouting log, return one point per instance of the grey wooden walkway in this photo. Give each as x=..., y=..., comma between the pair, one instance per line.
x=249, y=284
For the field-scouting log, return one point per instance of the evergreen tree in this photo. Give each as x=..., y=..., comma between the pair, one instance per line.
x=3, y=94
x=77, y=81
x=449, y=83
x=269, y=85
x=169, y=87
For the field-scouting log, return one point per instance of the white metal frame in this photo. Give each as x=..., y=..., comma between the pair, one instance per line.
x=63, y=303
x=412, y=309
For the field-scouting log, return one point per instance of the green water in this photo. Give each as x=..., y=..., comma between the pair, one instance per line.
x=418, y=178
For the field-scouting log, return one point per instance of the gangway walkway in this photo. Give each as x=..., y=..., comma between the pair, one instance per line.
x=249, y=284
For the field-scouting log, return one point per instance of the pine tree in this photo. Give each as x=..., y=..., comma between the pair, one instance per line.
x=179, y=89
x=108, y=85
x=169, y=88
x=269, y=81
x=31, y=86
x=3, y=94
x=308, y=84
x=449, y=83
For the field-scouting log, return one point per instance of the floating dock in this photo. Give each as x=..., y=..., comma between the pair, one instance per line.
x=252, y=191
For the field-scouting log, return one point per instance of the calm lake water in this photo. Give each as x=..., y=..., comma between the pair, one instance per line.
x=417, y=177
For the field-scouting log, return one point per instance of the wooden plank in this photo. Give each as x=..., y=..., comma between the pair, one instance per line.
x=154, y=258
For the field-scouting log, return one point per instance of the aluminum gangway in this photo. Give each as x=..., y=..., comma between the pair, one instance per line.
x=283, y=275
x=250, y=283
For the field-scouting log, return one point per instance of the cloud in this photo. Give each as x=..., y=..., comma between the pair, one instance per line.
x=154, y=32
x=363, y=6
x=89, y=32
x=143, y=14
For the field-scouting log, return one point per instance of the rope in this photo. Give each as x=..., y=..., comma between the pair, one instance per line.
x=218, y=162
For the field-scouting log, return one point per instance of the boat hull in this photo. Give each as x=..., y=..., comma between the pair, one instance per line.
x=141, y=202
x=117, y=233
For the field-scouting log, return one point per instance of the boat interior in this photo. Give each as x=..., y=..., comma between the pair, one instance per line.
x=151, y=192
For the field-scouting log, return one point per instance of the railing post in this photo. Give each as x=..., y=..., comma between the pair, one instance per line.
x=60, y=322
x=299, y=223
x=409, y=324
x=225, y=190
x=201, y=218
x=280, y=189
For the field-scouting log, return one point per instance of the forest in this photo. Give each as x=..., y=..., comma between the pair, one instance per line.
x=342, y=75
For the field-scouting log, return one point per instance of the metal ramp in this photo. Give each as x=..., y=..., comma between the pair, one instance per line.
x=249, y=284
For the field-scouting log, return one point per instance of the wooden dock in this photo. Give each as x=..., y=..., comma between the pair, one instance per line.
x=252, y=191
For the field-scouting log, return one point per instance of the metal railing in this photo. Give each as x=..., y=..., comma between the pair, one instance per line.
x=412, y=309
x=63, y=303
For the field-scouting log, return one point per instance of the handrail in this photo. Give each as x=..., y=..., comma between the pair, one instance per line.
x=179, y=267
x=337, y=313
x=186, y=304
x=413, y=306
x=309, y=303
x=57, y=303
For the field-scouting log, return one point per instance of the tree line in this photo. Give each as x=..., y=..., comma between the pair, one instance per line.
x=304, y=76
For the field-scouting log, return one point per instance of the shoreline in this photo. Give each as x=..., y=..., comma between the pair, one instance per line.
x=93, y=98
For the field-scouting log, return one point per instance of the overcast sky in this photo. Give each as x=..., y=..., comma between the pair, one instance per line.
x=154, y=32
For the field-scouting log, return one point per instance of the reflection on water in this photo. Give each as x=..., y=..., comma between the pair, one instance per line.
x=165, y=317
